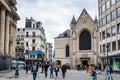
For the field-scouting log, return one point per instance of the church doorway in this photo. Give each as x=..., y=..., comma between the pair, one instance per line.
x=84, y=62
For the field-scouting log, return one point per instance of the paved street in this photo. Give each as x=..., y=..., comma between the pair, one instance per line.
x=70, y=75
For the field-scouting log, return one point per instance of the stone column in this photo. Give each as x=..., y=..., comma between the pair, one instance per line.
x=7, y=35
x=73, y=61
x=2, y=31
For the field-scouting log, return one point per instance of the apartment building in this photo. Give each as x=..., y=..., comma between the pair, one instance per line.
x=20, y=43
x=34, y=40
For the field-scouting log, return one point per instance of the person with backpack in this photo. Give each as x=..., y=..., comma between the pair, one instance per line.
x=34, y=71
x=108, y=74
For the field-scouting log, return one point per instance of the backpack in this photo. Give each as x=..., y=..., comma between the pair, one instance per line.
x=34, y=69
x=107, y=68
x=111, y=70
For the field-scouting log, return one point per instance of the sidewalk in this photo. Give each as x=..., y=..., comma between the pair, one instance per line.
x=113, y=74
x=5, y=71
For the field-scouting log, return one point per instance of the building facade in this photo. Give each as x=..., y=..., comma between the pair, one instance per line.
x=34, y=40
x=8, y=20
x=79, y=44
x=20, y=43
x=109, y=29
x=50, y=52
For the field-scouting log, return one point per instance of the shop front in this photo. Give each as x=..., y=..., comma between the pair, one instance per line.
x=113, y=60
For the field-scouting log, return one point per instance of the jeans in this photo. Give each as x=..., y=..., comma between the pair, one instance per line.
x=108, y=76
x=34, y=76
x=45, y=73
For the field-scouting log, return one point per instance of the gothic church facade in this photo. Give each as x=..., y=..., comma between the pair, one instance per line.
x=79, y=44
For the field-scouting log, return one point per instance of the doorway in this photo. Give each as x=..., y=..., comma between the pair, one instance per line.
x=85, y=62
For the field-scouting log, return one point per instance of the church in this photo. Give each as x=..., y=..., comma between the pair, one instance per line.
x=79, y=45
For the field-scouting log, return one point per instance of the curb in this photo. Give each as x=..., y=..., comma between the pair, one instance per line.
x=5, y=71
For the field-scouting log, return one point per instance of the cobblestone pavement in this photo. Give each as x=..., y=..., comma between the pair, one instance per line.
x=70, y=75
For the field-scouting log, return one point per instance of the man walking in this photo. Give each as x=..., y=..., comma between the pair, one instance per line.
x=46, y=66
x=34, y=71
x=63, y=69
x=108, y=74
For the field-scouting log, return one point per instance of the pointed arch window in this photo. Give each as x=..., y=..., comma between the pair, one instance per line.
x=85, y=40
x=67, y=51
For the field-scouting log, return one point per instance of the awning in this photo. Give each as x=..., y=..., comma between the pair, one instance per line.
x=35, y=52
x=111, y=56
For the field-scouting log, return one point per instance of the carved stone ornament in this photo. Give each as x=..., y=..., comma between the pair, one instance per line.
x=74, y=35
x=84, y=54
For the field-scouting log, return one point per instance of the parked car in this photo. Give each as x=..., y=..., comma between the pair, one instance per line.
x=21, y=64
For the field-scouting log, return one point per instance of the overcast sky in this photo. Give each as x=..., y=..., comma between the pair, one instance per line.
x=55, y=15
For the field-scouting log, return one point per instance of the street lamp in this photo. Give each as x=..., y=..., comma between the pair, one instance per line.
x=17, y=57
x=107, y=52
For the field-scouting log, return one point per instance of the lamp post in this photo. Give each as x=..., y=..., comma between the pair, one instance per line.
x=107, y=53
x=17, y=56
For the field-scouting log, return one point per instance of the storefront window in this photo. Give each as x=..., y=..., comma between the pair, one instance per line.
x=117, y=64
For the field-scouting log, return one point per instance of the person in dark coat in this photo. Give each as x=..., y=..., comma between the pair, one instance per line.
x=27, y=68
x=46, y=66
x=63, y=69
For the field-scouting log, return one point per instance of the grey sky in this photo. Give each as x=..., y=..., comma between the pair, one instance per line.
x=55, y=15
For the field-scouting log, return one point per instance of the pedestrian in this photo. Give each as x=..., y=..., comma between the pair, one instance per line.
x=51, y=71
x=94, y=74
x=31, y=68
x=46, y=66
x=42, y=66
x=63, y=69
x=27, y=68
x=34, y=71
x=108, y=74
x=87, y=68
x=56, y=69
